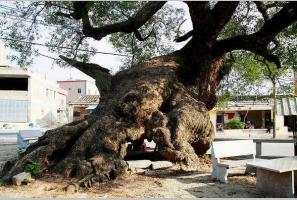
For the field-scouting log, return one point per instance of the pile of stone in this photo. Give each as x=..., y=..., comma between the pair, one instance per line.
x=21, y=178
x=146, y=166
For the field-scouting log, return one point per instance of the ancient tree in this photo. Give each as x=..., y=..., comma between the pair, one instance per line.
x=165, y=98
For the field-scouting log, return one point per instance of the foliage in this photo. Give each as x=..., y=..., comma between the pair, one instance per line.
x=163, y=27
x=249, y=75
x=26, y=22
x=21, y=151
x=234, y=123
x=34, y=168
x=64, y=36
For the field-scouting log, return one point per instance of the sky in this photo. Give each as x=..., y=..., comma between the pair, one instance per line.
x=44, y=65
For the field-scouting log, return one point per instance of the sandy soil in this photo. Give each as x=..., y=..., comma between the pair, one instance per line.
x=166, y=183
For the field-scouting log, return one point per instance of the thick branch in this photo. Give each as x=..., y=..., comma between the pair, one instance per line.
x=128, y=26
x=207, y=24
x=184, y=37
x=220, y=16
x=84, y=66
x=199, y=11
x=262, y=9
x=257, y=42
x=100, y=74
x=140, y=38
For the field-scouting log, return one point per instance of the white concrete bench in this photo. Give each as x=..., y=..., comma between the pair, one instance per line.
x=27, y=137
x=277, y=176
x=229, y=149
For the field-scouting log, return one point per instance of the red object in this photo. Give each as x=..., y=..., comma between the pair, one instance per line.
x=231, y=115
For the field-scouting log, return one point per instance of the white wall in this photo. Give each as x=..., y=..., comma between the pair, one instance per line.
x=45, y=100
x=72, y=87
x=91, y=88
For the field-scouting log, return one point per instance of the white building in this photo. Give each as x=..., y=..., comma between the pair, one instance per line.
x=77, y=88
x=259, y=113
x=28, y=97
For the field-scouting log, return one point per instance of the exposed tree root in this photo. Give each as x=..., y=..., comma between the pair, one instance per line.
x=148, y=102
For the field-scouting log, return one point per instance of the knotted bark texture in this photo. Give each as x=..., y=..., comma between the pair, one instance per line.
x=145, y=101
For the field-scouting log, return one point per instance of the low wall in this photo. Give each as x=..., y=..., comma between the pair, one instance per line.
x=244, y=131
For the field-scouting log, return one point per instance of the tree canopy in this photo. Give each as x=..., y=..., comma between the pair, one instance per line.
x=140, y=30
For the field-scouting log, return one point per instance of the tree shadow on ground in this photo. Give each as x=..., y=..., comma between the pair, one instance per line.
x=199, y=184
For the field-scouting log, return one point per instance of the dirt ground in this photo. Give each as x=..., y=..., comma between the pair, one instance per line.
x=165, y=183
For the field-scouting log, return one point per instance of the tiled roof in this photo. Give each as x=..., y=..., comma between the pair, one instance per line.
x=87, y=99
x=286, y=106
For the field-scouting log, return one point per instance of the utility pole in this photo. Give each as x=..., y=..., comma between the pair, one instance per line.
x=274, y=107
x=295, y=136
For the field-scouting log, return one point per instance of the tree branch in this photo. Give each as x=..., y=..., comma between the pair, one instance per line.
x=184, y=37
x=208, y=23
x=220, y=16
x=83, y=66
x=100, y=74
x=198, y=12
x=132, y=24
x=140, y=38
x=262, y=9
x=258, y=42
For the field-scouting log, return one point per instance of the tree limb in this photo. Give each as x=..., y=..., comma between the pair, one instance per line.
x=220, y=16
x=208, y=23
x=100, y=74
x=83, y=66
x=258, y=41
x=184, y=37
x=140, y=38
x=132, y=24
x=262, y=9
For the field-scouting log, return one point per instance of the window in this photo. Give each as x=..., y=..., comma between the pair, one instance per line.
x=14, y=84
x=76, y=114
x=78, y=90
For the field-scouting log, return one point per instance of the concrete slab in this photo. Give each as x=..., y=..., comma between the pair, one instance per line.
x=276, y=184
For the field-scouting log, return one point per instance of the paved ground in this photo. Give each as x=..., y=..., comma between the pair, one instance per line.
x=8, y=147
x=221, y=135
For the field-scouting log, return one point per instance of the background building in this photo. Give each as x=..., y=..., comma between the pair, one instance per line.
x=258, y=112
x=28, y=97
x=77, y=88
x=84, y=105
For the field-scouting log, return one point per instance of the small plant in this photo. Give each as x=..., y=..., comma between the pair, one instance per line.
x=205, y=157
x=34, y=168
x=234, y=123
x=21, y=151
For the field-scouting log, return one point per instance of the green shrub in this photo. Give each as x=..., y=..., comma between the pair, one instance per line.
x=21, y=151
x=34, y=168
x=234, y=123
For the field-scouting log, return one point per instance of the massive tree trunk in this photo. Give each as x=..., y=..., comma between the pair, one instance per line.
x=150, y=100
x=165, y=99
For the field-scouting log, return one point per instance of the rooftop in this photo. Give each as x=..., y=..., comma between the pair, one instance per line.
x=87, y=99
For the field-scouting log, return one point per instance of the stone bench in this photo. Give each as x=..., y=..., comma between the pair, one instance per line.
x=229, y=149
x=277, y=176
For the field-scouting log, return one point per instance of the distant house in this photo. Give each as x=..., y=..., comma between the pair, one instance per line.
x=28, y=97
x=84, y=105
x=77, y=88
x=259, y=112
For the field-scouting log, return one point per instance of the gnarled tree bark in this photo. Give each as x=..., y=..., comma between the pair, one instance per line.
x=165, y=99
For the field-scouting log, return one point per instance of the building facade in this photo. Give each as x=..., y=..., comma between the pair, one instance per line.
x=84, y=105
x=77, y=88
x=259, y=113
x=28, y=97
